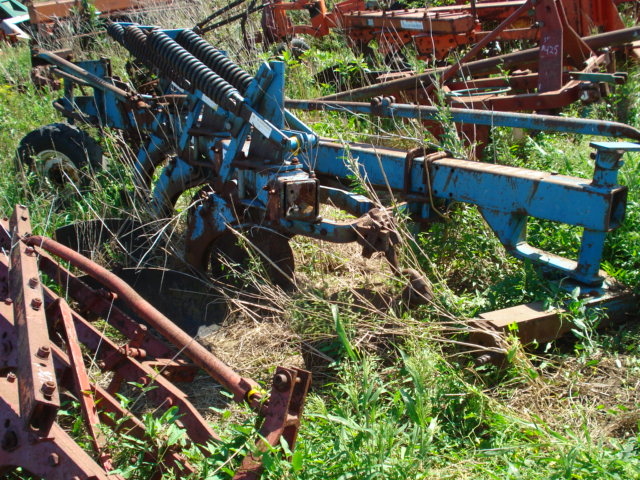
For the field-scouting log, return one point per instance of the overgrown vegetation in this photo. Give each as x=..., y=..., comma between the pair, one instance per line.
x=394, y=395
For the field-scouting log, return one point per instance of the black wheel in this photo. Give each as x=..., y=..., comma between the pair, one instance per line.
x=61, y=154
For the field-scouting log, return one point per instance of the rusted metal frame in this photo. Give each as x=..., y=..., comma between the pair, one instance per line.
x=418, y=83
x=265, y=409
x=413, y=21
x=112, y=358
x=321, y=22
x=557, y=37
x=39, y=401
x=571, y=90
x=59, y=311
x=121, y=419
x=47, y=11
x=101, y=303
x=453, y=69
x=512, y=34
x=526, y=82
x=485, y=11
x=546, y=101
x=439, y=46
x=577, y=50
x=54, y=457
x=282, y=419
x=589, y=14
x=242, y=388
x=551, y=58
x=8, y=337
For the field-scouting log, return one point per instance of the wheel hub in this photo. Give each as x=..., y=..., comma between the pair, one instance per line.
x=57, y=167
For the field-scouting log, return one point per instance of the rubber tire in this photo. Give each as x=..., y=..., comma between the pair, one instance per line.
x=82, y=150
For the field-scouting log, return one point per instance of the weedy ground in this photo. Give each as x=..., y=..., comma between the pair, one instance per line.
x=395, y=395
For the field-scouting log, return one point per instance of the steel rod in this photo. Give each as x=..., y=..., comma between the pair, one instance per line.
x=478, y=117
x=242, y=388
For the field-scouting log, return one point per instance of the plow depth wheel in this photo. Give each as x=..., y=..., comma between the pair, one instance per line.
x=61, y=154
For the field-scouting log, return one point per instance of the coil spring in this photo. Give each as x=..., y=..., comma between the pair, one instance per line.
x=214, y=59
x=176, y=58
x=136, y=41
x=116, y=31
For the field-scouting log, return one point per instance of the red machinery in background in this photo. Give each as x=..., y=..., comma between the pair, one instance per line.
x=434, y=31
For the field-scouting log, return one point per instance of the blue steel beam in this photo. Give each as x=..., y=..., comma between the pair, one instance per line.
x=506, y=196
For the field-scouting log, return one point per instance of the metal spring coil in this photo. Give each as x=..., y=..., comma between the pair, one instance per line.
x=116, y=31
x=214, y=59
x=202, y=77
x=135, y=41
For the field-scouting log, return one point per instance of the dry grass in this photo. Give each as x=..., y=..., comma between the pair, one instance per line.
x=602, y=395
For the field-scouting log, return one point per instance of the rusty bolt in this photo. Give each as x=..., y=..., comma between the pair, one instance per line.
x=54, y=459
x=33, y=282
x=281, y=382
x=30, y=251
x=48, y=388
x=36, y=303
x=11, y=377
x=43, y=351
x=8, y=301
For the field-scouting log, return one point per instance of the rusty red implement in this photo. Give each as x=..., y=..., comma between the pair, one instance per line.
x=45, y=344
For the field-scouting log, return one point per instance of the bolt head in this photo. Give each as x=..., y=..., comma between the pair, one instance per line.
x=43, y=351
x=280, y=382
x=48, y=388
